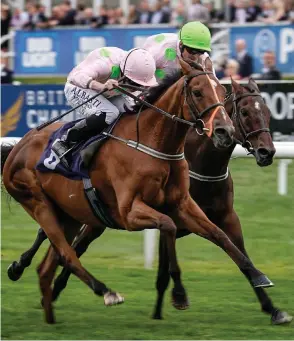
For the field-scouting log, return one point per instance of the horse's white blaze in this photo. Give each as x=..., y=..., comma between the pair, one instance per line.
x=213, y=84
x=257, y=105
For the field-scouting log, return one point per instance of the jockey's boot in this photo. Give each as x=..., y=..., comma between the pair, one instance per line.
x=82, y=130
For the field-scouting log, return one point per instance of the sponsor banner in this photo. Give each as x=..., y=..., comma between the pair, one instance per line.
x=27, y=106
x=279, y=39
x=56, y=52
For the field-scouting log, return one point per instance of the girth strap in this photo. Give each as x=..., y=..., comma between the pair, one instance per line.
x=98, y=207
x=207, y=178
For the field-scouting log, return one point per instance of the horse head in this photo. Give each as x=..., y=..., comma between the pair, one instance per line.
x=203, y=103
x=251, y=117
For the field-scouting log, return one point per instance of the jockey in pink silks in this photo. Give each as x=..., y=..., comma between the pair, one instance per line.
x=101, y=70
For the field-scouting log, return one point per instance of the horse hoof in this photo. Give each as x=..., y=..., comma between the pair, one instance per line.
x=262, y=282
x=157, y=317
x=113, y=298
x=281, y=317
x=180, y=300
x=12, y=272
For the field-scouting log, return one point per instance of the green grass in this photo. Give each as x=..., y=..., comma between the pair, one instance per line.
x=223, y=305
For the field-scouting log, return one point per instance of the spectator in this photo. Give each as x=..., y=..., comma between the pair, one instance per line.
x=5, y=23
x=232, y=70
x=158, y=16
x=111, y=16
x=244, y=59
x=120, y=18
x=102, y=18
x=6, y=73
x=133, y=17
x=241, y=14
x=68, y=14
x=145, y=13
x=19, y=18
x=80, y=14
x=273, y=11
x=213, y=13
x=230, y=11
x=88, y=16
x=198, y=12
x=166, y=8
x=290, y=10
x=178, y=17
x=253, y=11
x=269, y=70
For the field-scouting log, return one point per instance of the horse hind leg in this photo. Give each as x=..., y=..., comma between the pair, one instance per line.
x=46, y=271
x=163, y=277
x=81, y=243
x=16, y=269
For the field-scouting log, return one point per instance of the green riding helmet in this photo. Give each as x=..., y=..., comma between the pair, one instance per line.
x=195, y=35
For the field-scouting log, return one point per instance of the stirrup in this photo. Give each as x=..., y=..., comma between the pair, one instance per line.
x=61, y=149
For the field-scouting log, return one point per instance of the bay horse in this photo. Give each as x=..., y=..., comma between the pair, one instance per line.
x=141, y=191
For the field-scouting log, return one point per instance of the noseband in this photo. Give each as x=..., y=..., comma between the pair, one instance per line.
x=199, y=123
x=246, y=143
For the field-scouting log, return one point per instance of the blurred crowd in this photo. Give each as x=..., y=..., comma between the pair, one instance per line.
x=235, y=11
x=240, y=65
x=238, y=11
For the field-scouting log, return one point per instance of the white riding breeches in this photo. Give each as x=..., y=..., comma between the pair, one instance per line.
x=111, y=106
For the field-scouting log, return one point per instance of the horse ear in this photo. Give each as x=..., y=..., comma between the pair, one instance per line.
x=253, y=85
x=208, y=64
x=186, y=68
x=235, y=86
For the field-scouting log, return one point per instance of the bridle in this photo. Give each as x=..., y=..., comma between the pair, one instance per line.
x=192, y=106
x=246, y=143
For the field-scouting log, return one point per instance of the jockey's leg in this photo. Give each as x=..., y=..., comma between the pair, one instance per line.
x=100, y=113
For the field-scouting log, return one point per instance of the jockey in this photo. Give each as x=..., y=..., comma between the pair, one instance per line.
x=193, y=39
x=101, y=70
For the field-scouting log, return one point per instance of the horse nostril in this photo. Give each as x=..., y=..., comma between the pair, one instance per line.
x=265, y=153
x=221, y=132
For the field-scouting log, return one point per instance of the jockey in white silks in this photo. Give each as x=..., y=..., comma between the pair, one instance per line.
x=167, y=48
x=101, y=70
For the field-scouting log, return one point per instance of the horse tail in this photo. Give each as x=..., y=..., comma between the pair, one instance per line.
x=5, y=151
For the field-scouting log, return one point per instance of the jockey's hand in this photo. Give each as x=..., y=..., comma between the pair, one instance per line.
x=110, y=83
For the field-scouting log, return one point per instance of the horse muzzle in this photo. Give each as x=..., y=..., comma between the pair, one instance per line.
x=264, y=156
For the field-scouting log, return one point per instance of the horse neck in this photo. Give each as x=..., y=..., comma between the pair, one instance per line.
x=203, y=157
x=160, y=132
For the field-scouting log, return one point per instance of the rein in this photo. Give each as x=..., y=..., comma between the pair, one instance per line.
x=151, y=151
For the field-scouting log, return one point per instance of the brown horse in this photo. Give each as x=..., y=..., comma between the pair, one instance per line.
x=213, y=191
x=140, y=191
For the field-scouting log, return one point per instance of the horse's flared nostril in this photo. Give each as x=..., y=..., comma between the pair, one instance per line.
x=265, y=153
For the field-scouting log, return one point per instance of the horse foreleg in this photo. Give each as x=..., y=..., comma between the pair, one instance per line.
x=16, y=269
x=191, y=217
x=81, y=243
x=141, y=217
x=232, y=227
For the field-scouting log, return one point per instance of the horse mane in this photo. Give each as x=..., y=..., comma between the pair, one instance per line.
x=153, y=93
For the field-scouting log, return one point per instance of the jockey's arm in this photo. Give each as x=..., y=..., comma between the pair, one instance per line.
x=87, y=74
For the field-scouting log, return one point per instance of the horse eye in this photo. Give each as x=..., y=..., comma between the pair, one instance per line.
x=197, y=93
x=244, y=112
